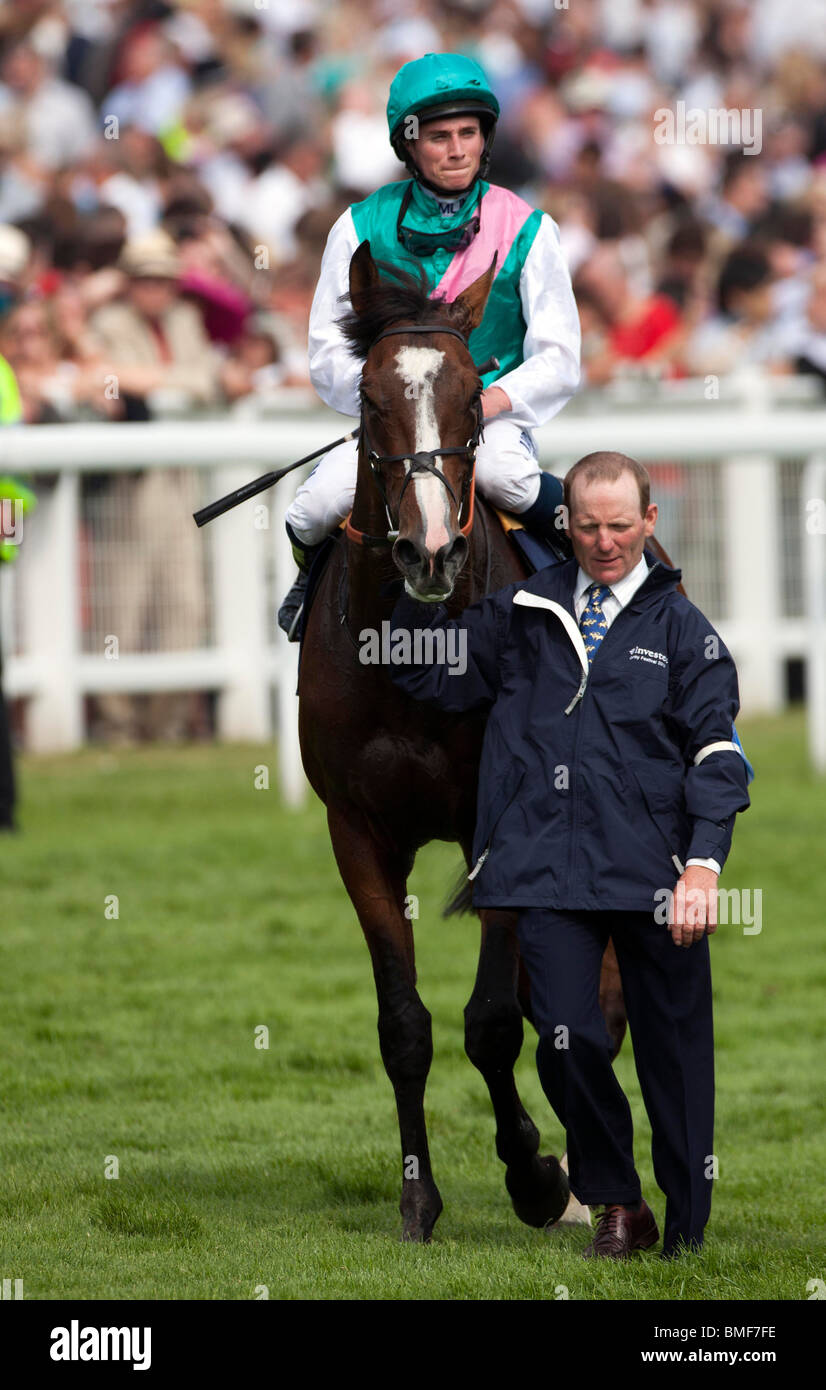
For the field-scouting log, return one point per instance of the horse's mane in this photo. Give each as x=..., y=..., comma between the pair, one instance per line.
x=401, y=295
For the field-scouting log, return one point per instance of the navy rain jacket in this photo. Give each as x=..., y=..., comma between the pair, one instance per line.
x=596, y=786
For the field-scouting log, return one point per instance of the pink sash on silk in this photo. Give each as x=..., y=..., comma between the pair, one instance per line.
x=503, y=215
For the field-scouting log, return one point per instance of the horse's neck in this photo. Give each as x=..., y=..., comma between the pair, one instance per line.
x=369, y=514
x=369, y=567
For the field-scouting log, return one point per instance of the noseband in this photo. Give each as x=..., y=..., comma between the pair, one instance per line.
x=422, y=462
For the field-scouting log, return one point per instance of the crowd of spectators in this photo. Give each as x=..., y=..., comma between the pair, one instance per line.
x=169, y=173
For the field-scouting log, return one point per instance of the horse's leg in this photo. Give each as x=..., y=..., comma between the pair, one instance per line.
x=376, y=881
x=537, y=1185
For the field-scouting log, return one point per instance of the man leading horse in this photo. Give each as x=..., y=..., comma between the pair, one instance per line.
x=447, y=222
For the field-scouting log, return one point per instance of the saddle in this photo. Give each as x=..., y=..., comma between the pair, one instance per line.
x=536, y=550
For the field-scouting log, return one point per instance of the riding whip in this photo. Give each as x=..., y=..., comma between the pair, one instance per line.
x=225, y=504
x=241, y=494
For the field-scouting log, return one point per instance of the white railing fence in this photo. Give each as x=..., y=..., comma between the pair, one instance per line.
x=733, y=488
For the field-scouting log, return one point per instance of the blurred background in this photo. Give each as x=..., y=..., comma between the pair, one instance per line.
x=181, y=164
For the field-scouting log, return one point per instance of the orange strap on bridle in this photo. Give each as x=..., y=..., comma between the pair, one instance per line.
x=362, y=538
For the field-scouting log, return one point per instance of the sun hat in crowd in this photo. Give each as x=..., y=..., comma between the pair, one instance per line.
x=15, y=248
x=153, y=254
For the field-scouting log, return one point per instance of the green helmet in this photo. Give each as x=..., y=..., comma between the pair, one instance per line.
x=440, y=84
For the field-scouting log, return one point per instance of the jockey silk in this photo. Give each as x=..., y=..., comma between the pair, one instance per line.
x=530, y=323
x=508, y=226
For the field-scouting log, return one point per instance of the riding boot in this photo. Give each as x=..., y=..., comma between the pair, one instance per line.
x=545, y=516
x=289, y=614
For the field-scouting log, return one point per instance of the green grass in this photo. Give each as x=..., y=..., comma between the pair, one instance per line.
x=238, y=1166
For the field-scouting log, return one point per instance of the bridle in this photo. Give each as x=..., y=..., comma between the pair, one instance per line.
x=422, y=462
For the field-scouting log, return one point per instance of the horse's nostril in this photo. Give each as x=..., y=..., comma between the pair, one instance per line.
x=452, y=556
x=457, y=552
x=405, y=554
x=410, y=557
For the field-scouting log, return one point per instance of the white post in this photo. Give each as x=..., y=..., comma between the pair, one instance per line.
x=751, y=511
x=813, y=491
x=290, y=770
x=48, y=579
x=240, y=613
x=7, y=609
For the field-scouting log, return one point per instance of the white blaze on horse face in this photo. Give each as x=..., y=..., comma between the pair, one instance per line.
x=419, y=367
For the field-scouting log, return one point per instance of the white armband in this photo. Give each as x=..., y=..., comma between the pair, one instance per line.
x=716, y=748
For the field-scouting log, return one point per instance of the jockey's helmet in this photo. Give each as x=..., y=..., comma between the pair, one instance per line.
x=439, y=84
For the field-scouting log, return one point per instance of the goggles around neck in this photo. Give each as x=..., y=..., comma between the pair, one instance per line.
x=425, y=243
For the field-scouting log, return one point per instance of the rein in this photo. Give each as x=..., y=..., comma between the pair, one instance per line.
x=422, y=462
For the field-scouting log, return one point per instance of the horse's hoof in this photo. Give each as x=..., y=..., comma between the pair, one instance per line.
x=419, y=1229
x=539, y=1191
x=575, y=1214
x=420, y=1212
x=416, y=1234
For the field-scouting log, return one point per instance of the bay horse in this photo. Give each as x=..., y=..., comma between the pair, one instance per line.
x=394, y=773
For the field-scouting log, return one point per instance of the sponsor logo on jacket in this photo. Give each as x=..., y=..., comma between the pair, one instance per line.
x=646, y=654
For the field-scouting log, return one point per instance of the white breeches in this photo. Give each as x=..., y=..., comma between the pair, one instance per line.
x=507, y=472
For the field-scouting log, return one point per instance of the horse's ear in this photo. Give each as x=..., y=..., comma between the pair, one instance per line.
x=363, y=276
x=475, y=297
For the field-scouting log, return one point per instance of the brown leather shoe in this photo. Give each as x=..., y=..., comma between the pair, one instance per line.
x=619, y=1232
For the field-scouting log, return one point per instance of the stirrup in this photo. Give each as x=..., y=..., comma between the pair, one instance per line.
x=289, y=614
x=292, y=630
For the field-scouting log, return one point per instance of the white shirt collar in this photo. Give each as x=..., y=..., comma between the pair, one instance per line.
x=623, y=590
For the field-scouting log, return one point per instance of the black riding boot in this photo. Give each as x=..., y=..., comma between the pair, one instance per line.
x=544, y=517
x=289, y=614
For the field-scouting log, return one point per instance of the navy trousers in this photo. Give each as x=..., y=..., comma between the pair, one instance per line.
x=667, y=991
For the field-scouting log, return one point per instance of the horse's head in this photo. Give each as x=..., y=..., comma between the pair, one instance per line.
x=421, y=415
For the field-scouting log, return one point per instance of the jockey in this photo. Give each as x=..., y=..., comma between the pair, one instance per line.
x=449, y=221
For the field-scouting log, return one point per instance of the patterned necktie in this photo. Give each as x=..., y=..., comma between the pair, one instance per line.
x=593, y=624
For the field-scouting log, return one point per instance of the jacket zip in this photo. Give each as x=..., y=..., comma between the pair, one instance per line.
x=574, y=780
x=486, y=851
x=575, y=801
x=524, y=599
